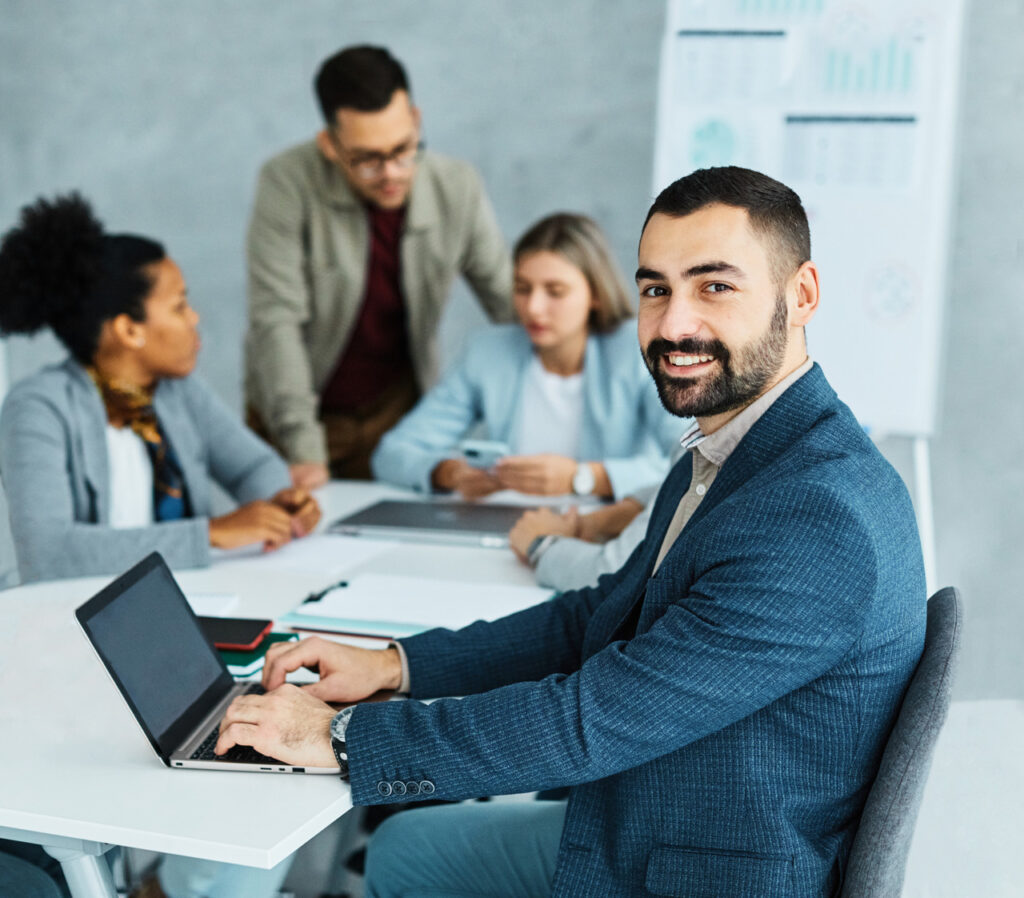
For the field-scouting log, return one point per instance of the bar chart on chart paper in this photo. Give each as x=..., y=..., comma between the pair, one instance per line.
x=886, y=68
x=852, y=104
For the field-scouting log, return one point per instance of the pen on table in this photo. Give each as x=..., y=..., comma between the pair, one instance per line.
x=317, y=596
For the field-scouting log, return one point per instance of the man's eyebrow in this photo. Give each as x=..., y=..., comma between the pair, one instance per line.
x=649, y=274
x=716, y=267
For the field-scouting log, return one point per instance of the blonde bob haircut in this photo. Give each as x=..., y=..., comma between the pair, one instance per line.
x=579, y=240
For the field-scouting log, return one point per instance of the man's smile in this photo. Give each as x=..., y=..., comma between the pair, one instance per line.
x=675, y=362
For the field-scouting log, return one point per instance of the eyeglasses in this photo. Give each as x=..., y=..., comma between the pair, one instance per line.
x=367, y=166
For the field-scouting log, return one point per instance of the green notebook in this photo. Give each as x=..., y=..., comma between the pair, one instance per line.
x=243, y=664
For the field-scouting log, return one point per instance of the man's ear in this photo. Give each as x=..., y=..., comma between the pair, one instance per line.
x=326, y=147
x=804, y=295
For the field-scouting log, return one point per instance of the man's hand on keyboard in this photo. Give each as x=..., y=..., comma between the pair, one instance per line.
x=347, y=674
x=288, y=724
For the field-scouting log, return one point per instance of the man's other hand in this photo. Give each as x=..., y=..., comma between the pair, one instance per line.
x=347, y=673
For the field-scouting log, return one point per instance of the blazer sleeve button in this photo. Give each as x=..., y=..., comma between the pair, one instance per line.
x=398, y=787
x=384, y=788
x=412, y=787
x=426, y=787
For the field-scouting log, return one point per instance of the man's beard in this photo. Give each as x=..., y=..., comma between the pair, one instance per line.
x=738, y=382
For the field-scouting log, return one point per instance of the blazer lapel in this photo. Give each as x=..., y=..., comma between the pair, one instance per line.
x=610, y=620
x=793, y=414
x=424, y=284
x=502, y=402
x=87, y=406
x=594, y=381
x=178, y=430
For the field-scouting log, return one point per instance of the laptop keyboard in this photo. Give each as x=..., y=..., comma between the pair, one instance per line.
x=238, y=754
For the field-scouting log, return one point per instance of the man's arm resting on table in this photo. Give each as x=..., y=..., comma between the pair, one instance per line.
x=735, y=640
x=732, y=643
x=293, y=724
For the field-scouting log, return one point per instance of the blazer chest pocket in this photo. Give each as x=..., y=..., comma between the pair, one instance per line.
x=710, y=873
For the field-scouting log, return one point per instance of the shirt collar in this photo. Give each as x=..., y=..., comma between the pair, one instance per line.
x=718, y=446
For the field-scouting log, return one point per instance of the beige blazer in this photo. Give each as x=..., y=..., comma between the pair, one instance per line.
x=308, y=247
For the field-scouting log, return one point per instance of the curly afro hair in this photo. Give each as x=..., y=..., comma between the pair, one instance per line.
x=59, y=269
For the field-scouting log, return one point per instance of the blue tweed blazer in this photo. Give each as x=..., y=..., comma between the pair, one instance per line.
x=720, y=722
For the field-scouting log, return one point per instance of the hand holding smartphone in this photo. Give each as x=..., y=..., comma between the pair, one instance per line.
x=483, y=454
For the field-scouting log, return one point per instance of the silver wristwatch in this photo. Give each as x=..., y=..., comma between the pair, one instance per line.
x=583, y=480
x=339, y=726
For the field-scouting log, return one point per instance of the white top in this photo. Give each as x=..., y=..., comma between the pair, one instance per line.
x=550, y=414
x=131, y=479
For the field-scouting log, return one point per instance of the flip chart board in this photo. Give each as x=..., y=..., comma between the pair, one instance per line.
x=852, y=103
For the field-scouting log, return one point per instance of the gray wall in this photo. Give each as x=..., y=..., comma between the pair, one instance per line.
x=162, y=112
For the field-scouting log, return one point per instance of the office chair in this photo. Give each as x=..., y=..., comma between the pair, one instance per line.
x=878, y=856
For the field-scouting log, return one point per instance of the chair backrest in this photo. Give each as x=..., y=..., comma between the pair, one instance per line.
x=878, y=856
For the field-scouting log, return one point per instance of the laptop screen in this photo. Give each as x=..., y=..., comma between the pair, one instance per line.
x=151, y=643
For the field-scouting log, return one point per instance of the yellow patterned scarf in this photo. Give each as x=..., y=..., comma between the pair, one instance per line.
x=132, y=406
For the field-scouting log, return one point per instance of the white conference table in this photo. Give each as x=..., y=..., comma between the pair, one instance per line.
x=78, y=776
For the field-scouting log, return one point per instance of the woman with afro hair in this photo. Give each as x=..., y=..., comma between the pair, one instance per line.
x=109, y=455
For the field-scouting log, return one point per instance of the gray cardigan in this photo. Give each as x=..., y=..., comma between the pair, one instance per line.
x=53, y=460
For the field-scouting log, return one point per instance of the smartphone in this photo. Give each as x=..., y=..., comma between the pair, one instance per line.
x=237, y=634
x=483, y=453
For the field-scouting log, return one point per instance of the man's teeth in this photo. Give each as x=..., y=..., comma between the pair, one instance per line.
x=684, y=361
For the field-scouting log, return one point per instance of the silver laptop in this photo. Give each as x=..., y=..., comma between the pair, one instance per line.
x=454, y=523
x=172, y=678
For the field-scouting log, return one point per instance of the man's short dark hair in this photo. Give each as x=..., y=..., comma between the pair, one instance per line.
x=362, y=77
x=775, y=210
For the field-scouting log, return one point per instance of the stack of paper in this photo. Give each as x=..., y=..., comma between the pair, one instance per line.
x=391, y=605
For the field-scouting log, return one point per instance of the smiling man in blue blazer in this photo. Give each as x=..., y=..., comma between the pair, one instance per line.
x=718, y=706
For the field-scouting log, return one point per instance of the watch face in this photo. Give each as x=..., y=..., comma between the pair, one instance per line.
x=340, y=723
x=583, y=480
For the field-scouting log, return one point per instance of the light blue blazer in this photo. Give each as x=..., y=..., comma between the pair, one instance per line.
x=53, y=460
x=624, y=424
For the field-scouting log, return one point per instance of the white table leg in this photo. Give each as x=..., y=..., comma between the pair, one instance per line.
x=85, y=868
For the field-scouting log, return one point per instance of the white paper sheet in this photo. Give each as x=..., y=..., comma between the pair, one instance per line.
x=395, y=605
x=212, y=604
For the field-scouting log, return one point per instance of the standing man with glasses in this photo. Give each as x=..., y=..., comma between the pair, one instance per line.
x=354, y=242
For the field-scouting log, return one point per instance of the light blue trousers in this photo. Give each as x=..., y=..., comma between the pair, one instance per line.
x=484, y=850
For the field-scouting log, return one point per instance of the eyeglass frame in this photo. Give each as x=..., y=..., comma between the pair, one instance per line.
x=367, y=166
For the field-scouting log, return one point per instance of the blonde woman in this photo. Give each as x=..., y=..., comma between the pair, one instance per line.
x=565, y=390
